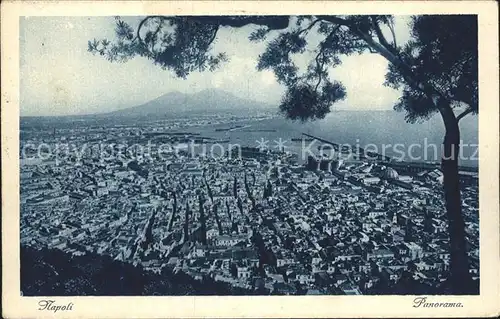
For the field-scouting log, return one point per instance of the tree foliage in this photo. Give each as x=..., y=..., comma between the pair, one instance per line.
x=48, y=272
x=442, y=54
x=436, y=71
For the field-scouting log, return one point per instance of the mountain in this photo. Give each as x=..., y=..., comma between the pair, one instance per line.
x=204, y=102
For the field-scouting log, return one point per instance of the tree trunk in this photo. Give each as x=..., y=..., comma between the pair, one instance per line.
x=460, y=280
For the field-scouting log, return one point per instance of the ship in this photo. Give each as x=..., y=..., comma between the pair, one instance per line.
x=234, y=127
x=300, y=139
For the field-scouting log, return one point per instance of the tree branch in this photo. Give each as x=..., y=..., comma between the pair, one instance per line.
x=272, y=22
x=381, y=49
x=380, y=35
x=213, y=36
x=320, y=69
x=309, y=27
x=393, y=58
x=464, y=113
x=141, y=24
x=404, y=68
x=321, y=65
x=336, y=20
x=153, y=42
x=406, y=72
x=393, y=32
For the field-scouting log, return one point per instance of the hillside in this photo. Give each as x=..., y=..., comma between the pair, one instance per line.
x=51, y=272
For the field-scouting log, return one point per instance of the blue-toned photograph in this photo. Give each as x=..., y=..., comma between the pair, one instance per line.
x=249, y=155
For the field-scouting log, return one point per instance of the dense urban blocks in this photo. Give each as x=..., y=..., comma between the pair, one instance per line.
x=263, y=223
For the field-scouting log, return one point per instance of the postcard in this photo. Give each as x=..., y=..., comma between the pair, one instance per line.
x=250, y=159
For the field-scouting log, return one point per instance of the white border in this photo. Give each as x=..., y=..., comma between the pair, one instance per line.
x=486, y=304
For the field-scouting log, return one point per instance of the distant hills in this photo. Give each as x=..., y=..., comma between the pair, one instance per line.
x=204, y=102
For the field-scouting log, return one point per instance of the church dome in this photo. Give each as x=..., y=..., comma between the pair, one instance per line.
x=390, y=173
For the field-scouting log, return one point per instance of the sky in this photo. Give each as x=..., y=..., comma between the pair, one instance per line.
x=59, y=77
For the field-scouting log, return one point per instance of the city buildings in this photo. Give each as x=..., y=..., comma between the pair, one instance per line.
x=260, y=222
